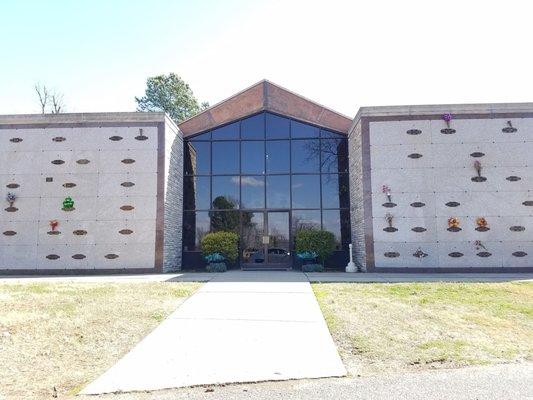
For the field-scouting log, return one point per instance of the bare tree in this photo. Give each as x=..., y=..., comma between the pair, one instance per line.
x=57, y=103
x=42, y=94
x=52, y=100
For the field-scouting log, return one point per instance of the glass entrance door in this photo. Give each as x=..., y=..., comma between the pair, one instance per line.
x=276, y=239
x=266, y=240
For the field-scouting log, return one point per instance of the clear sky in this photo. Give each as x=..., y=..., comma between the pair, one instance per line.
x=343, y=54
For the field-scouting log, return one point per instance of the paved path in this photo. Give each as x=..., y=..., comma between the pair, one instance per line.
x=500, y=382
x=239, y=327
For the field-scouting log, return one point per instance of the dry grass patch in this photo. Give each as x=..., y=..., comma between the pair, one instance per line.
x=63, y=335
x=409, y=326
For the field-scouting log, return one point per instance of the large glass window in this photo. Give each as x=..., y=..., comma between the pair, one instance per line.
x=252, y=191
x=278, y=157
x=305, y=155
x=225, y=192
x=278, y=191
x=227, y=132
x=253, y=127
x=197, y=158
x=225, y=158
x=241, y=175
x=252, y=157
x=277, y=127
x=197, y=193
x=306, y=191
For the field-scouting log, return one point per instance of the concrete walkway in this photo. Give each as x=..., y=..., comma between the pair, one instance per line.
x=239, y=327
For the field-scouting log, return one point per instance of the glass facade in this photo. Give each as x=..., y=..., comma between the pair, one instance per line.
x=265, y=176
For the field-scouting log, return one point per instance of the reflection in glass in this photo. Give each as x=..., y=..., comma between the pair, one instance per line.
x=338, y=223
x=334, y=154
x=253, y=157
x=331, y=135
x=227, y=132
x=203, y=136
x=300, y=130
x=225, y=192
x=252, y=192
x=277, y=127
x=305, y=155
x=306, y=191
x=305, y=219
x=252, y=234
x=195, y=226
x=279, y=243
x=253, y=127
x=278, y=191
x=225, y=158
x=225, y=220
x=197, y=158
x=196, y=193
x=278, y=157
x=335, y=191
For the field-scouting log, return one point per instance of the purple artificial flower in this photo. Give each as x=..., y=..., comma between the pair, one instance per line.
x=447, y=117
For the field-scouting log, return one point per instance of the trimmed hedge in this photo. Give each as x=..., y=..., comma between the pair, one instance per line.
x=216, y=267
x=312, y=268
x=224, y=243
x=313, y=240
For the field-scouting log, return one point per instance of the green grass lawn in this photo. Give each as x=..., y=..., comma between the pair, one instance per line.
x=64, y=335
x=410, y=326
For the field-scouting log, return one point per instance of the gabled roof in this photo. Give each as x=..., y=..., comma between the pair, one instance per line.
x=265, y=96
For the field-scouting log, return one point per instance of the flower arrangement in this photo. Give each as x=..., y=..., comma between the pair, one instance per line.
x=453, y=222
x=481, y=222
x=447, y=118
x=386, y=190
x=389, y=217
x=10, y=198
x=477, y=167
x=53, y=224
x=68, y=204
x=479, y=245
x=419, y=253
x=307, y=255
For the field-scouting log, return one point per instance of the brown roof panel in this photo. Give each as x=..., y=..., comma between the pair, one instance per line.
x=265, y=96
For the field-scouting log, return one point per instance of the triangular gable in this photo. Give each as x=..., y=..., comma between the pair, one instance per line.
x=265, y=96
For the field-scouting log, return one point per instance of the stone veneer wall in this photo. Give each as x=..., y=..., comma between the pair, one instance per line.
x=108, y=168
x=356, y=196
x=173, y=201
x=430, y=171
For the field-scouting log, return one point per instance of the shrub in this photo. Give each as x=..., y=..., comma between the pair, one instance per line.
x=216, y=267
x=312, y=268
x=313, y=240
x=224, y=243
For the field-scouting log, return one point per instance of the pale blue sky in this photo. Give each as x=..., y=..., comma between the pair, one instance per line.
x=343, y=54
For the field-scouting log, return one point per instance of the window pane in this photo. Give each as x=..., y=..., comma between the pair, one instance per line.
x=253, y=157
x=196, y=193
x=203, y=136
x=305, y=155
x=253, y=127
x=338, y=223
x=305, y=219
x=251, y=234
x=252, y=192
x=226, y=220
x=225, y=192
x=277, y=127
x=305, y=191
x=335, y=191
x=278, y=156
x=334, y=154
x=301, y=130
x=332, y=135
x=228, y=132
x=195, y=227
x=278, y=191
x=225, y=158
x=197, y=158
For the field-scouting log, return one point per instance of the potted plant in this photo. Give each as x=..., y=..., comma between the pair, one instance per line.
x=218, y=249
x=317, y=243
